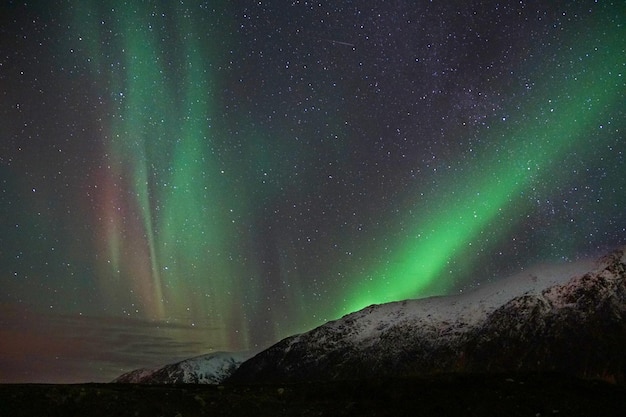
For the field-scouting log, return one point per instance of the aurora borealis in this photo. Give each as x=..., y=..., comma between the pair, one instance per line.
x=181, y=177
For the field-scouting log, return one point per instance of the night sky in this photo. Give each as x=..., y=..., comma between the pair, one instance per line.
x=179, y=177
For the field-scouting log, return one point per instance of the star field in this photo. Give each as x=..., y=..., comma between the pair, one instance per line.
x=219, y=175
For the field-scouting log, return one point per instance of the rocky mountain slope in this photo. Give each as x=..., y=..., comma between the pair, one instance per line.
x=569, y=319
x=212, y=368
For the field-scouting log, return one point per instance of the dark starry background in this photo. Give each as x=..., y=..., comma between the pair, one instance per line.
x=181, y=177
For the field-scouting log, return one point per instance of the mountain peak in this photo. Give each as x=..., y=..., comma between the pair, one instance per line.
x=210, y=368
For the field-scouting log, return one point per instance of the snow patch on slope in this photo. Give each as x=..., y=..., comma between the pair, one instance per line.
x=210, y=368
x=448, y=316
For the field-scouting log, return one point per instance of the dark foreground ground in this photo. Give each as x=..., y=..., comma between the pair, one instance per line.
x=501, y=395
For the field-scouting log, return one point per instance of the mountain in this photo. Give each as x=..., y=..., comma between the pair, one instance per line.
x=577, y=328
x=211, y=368
x=568, y=319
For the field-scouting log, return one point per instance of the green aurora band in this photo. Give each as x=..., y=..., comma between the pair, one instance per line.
x=562, y=114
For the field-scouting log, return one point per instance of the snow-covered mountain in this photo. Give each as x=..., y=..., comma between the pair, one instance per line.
x=211, y=368
x=569, y=318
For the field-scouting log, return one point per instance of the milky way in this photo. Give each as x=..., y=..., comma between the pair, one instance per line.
x=219, y=175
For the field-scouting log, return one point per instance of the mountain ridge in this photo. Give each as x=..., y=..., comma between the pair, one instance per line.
x=482, y=332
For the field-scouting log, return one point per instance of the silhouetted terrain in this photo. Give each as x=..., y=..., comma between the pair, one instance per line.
x=449, y=395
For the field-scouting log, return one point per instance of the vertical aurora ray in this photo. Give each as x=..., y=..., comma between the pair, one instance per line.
x=488, y=195
x=164, y=208
x=193, y=228
x=142, y=92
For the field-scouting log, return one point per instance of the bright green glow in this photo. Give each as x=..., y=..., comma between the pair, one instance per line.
x=560, y=119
